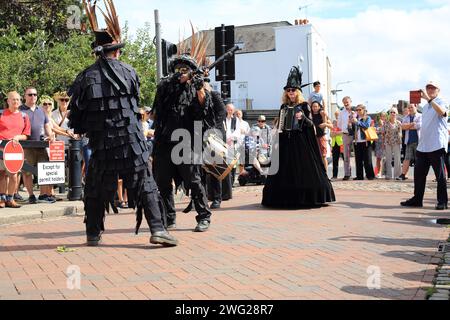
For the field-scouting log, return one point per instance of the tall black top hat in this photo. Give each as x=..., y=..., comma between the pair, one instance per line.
x=294, y=79
x=110, y=38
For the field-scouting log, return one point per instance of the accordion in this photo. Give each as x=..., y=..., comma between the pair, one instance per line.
x=287, y=119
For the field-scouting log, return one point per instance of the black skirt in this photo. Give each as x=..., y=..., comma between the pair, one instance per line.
x=301, y=180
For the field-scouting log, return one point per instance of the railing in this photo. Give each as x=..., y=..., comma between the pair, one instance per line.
x=74, y=162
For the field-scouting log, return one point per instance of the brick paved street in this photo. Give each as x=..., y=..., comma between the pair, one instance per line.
x=249, y=252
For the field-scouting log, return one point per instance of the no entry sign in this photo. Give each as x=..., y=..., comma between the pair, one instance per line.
x=13, y=157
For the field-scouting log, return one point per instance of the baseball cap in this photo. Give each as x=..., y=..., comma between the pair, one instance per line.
x=433, y=84
x=262, y=118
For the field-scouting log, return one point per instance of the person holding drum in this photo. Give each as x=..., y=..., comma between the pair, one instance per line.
x=297, y=177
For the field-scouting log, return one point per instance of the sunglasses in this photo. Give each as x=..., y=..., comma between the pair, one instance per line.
x=359, y=110
x=32, y=94
x=47, y=104
x=182, y=70
x=65, y=100
x=260, y=121
x=291, y=90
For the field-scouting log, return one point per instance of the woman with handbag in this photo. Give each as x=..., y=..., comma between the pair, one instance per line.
x=392, y=132
x=363, y=136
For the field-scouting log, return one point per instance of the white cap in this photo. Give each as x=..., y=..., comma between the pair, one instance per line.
x=433, y=84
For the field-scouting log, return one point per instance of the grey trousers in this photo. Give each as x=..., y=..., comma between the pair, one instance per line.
x=348, y=142
x=393, y=152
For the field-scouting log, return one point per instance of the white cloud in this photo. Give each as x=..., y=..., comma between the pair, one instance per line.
x=386, y=53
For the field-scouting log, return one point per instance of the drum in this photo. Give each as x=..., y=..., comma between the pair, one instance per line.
x=216, y=159
x=263, y=159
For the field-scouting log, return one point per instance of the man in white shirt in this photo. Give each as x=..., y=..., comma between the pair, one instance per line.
x=432, y=148
x=233, y=130
x=245, y=127
x=343, y=122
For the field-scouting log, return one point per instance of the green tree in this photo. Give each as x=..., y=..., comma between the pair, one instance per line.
x=141, y=54
x=38, y=60
x=49, y=15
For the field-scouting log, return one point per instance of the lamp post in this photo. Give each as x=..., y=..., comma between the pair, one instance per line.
x=335, y=92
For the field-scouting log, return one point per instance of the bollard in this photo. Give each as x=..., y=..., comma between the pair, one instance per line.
x=75, y=188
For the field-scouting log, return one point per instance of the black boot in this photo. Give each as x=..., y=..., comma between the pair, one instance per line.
x=163, y=238
x=94, y=241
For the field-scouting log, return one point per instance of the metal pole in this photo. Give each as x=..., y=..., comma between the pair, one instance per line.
x=75, y=158
x=158, y=47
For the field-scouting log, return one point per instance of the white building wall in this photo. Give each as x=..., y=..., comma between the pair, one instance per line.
x=265, y=73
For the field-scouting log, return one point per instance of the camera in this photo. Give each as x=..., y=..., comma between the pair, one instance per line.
x=415, y=96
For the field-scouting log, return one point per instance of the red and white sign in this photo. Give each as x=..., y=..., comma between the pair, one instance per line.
x=13, y=157
x=56, y=151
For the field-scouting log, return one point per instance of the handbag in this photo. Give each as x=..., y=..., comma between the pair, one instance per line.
x=371, y=134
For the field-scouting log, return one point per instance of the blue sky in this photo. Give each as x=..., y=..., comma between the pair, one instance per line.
x=386, y=48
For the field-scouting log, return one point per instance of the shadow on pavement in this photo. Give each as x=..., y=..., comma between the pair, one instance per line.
x=422, y=257
x=359, y=205
x=423, y=222
x=410, y=242
x=384, y=293
x=145, y=246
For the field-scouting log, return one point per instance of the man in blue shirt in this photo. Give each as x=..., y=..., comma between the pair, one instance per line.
x=40, y=130
x=316, y=96
x=432, y=148
x=411, y=124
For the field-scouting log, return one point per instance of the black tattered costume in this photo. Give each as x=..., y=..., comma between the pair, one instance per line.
x=177, y=106
x=105, y=106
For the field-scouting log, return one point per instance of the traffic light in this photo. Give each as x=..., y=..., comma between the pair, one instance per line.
x=224, y=41
x=168, y=50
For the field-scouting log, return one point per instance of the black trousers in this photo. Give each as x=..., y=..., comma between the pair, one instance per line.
x=214, y=188
x=424, y=160
x=95, y=207
x=336, y=155
x=166, y=171
x=363, y=160
x=447, y=162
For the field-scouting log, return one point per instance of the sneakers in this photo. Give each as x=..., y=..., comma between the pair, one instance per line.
x=123, y=205
x=32, y=199
x=202, y=226
x=18, y=197
x=215, y=205
x=402, y=177
x=43, y=198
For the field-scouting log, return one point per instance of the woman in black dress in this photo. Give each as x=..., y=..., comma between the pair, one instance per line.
x=298, y=178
